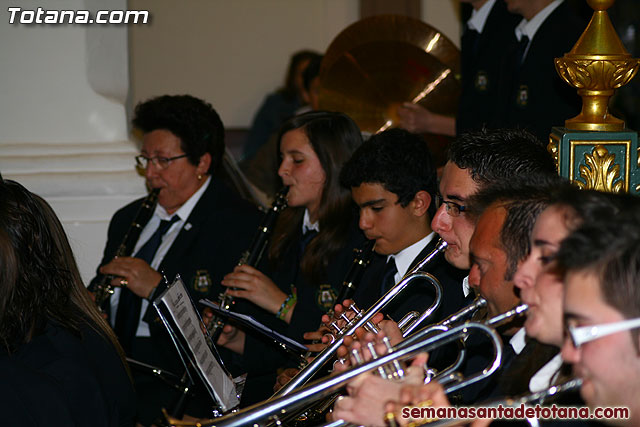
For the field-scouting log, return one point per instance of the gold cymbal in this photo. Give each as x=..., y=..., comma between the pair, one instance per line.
x=376, y=64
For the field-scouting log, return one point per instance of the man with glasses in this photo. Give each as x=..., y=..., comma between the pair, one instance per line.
x=198, y=229
x=601, y=262
x=475, y=161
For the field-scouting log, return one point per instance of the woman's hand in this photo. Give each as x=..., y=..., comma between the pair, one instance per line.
x=232, y=338
x=249, y=283
x=134, y=274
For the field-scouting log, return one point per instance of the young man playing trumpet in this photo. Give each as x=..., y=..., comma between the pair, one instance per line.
x=393, y=183
x=601, y=262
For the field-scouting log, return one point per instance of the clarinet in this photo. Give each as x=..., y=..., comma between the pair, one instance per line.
x=251, y=256
x=361, y=260
x=103, y=289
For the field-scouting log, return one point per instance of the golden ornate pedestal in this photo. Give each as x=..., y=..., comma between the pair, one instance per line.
x=594, y=149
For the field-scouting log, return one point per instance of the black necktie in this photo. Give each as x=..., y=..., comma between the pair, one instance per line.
x=469, y=41
x=388, y=279
x=520, y=50
x=307, y=237
x=128, y=312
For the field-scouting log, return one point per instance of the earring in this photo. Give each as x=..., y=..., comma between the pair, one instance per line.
x=199, y=177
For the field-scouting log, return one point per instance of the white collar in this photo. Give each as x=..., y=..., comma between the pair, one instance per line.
x=541, y=380
x=517, y=340
x=405, y=257
x=466, y=289
x=529, y=28
x=307, y=225
x=187, y=207
x=479, y=17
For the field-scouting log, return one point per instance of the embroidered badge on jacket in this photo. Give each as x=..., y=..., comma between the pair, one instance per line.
x=202, y=281
x=481, y=81
x=326, y=296
x=522, y=98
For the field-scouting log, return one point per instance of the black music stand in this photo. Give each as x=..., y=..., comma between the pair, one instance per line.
x=184, y=324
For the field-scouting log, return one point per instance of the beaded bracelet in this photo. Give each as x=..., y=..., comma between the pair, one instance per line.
x=288, y=304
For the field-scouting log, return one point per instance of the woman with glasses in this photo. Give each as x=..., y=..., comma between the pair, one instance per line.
x=313, y=241
x=198, y=229
x=60, y=363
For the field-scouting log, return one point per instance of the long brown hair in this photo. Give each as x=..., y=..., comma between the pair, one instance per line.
x=333, y=137
x=40, y=277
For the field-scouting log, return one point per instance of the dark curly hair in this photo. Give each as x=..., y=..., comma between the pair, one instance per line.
x=333, y=137
x=398, y=160
x=609, y=248
x=39, y=278
x=498, y=155
x=192, y=120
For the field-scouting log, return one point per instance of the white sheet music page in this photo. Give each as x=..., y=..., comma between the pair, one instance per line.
x=184, y=316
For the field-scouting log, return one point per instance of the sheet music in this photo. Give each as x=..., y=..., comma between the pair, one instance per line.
x=255, y=325
x=178, y=304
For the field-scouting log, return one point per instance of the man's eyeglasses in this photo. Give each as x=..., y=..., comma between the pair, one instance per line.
x=453, y=209
x=583, y=334
x=142, y=161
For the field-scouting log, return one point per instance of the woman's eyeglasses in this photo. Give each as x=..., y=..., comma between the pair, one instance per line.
x=142, y=161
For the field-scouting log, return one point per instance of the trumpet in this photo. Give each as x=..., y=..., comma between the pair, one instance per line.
x=448, y=376
x=271, y=410
x=396, y=371
x=363, y=318
x=539, y=397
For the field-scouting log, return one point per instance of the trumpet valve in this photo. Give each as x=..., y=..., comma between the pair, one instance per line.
x=398, y=370
x=382, y=370
x=357, y=356
x=335, y=326
x=371, y=327
x=344, y=317
x=353, y=307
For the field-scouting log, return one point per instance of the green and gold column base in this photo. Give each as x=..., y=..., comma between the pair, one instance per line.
x=605, y=161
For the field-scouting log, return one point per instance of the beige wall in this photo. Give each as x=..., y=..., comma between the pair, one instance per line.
x=233, y=52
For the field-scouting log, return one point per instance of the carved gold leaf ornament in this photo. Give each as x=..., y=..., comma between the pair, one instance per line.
x=638, y=186
x=553, y=148
x=600, y=171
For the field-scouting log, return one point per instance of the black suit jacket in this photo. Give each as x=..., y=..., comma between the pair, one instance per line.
x=534, y=96
x=481, y=57
x=61, y=379
x=209, y=245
